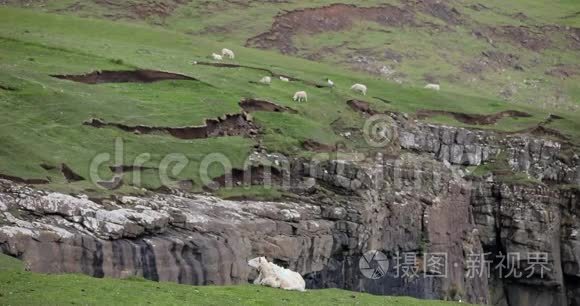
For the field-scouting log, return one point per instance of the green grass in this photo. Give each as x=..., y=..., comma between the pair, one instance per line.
x=41, y=121
x=425, y=50
x=18, y=287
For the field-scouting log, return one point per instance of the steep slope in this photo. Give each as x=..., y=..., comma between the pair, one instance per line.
x=49, y=124
x=525, y=51
x=97, y=110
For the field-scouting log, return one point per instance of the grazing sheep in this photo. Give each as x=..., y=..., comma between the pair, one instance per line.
x=227, y=52
x=266, y=80
x=300, y=96
x=283, y=79
x=216, y=57
x=275, y=276
x=330, y=82
x=433, y=86
x=359, y=88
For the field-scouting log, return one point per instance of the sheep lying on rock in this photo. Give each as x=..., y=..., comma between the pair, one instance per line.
x=228, y=53
x=300, y=96
x=359, y=88
x=274, y=276
x=216, y=57
x=266, y=80
x=433, y=86
x=283, y=79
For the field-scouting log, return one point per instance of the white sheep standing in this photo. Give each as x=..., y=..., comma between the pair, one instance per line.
x=300, y=96
x=266, y=80
x=216, y=57
x=433, y=86
x=359, y=88
x=275, y=276
x=229, y=53
x=283, y=79
x=330, y=82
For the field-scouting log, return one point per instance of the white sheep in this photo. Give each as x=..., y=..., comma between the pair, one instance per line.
x=359, y=88
x=275, y=276
x=216, y=57
x=283, y=79
x=266, y=80
x=300, y=96
x=330, y=82
x=227, y=52
x=433, y=86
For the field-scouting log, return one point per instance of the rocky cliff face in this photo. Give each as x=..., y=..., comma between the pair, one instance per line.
x=418, y=202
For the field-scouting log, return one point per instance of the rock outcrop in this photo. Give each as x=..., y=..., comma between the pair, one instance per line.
x=417, y=202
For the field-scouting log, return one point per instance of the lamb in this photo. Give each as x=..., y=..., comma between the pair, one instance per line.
x=275, y=276
x=359, y=88
x=300, y=96
x=266, y=80
x=433, y=86
x=216, y=57
x=283, y=79
x=227, y=52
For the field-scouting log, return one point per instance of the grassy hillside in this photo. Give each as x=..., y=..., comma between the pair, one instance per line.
x=42, y=116
x=25, y=288
x=523, y=51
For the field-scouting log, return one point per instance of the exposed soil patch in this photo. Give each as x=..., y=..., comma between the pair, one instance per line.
x=542, y=131
x=315, y=146
x=564, y=71
x=128, y=76
x=47, y=167
x=532, y=38
x=475, y=119
x=69, y=174
x=551, y=118
x=332, y=18
x=494, y=60
x=361, y=106
x=437, y=9
x=253, y=105
x=7, y=88
x=24, y=180
x=138, y=10
x=228, y=125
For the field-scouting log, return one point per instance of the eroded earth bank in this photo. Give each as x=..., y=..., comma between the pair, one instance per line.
x=423, y=196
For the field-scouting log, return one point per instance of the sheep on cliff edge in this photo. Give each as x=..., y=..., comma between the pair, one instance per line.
x=275, y=276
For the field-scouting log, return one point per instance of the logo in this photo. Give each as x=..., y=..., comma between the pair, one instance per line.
x=379, y=131
x=373, y=264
